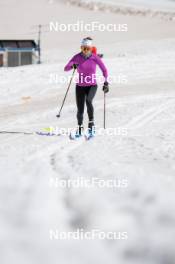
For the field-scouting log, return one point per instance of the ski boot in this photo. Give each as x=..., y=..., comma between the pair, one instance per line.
x=77, y=134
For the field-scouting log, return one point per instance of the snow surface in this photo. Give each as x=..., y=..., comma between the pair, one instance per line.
x=153, y=4
x=145, y=106
x=30, y=207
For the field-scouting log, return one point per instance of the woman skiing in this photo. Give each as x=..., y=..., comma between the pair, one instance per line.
x=85, y=62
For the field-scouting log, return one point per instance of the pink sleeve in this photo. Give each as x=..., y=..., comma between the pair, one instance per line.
x=102, y=67
x=68, y=66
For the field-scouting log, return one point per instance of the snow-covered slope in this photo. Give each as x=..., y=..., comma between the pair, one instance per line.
x=31, y=205
x=153, y=4
x=140, y=157
x=163, y=10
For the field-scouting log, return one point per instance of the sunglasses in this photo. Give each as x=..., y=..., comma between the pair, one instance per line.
x=86, y=48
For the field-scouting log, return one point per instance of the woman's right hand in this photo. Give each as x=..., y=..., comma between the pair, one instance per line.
x=75, y=66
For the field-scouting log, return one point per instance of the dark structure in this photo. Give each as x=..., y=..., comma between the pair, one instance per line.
x=17, y=52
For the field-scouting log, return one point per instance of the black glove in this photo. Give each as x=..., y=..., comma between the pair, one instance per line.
x=100, y=55
x=75, y=66
x=106, y=87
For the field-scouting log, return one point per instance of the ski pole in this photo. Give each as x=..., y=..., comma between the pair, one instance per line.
x=59, y=114
x=104, y=111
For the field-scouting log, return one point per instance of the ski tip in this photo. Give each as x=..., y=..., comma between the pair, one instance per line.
x=89, y=137
x=74, y=136
x=70, y=137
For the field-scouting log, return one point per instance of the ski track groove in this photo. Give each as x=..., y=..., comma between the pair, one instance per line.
x=61, y=160
x=59, y=154
x=147, y=116
x=79, y=218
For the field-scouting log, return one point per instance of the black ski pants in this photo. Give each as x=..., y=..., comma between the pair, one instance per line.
x=85, y=94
